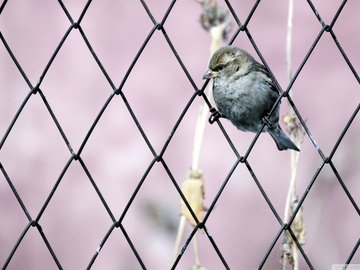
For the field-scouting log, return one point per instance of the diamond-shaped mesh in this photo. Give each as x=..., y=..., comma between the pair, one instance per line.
x=108, y=186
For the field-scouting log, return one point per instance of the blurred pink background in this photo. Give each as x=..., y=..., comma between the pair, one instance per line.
x=326, y=94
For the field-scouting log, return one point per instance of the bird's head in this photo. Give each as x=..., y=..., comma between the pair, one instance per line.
x=228, y=62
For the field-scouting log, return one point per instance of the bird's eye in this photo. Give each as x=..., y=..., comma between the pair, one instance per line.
x=220, y=67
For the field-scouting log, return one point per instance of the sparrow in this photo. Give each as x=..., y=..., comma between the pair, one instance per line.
x=244, y=93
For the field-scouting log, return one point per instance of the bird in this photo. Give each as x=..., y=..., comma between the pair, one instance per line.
x=245, y=93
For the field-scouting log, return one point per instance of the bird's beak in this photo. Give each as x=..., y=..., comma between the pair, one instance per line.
x=210, y=74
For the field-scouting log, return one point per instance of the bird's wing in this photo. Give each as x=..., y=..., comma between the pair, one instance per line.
x=261, y=68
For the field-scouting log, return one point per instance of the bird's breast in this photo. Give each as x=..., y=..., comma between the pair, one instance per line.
x=244, y=101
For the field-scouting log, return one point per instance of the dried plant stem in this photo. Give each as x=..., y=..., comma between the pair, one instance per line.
x=289, y=248
x=196, y=251
x=215, y=20
x=291, y=116
x=216, y=38
x=295, y=257
x=179, y=236
x=292, y=186
x=216, y=42
x=289, y=38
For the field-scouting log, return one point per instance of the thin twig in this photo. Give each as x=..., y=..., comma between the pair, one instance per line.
x=289, y=254
x=216, y=42
x=179, y=236
x=214, y=19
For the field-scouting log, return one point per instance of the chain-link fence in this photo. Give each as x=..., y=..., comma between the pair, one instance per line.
x=98, y=106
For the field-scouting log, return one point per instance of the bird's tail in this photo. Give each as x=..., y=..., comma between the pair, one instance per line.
x=282, y=141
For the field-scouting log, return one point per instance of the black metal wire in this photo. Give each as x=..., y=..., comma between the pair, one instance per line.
x=187, y=242
x=15, y=119
x=117, y=222
x=272, y=245
x=216, y=248
x=16, y=245
x=97, y=190
x=217, y=196
x=348, y=261
x=56, y=121
x=15, y=61
x=52, y=192
x=16, y=194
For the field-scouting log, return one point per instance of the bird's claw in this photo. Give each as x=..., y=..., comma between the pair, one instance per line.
x=215, y=115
